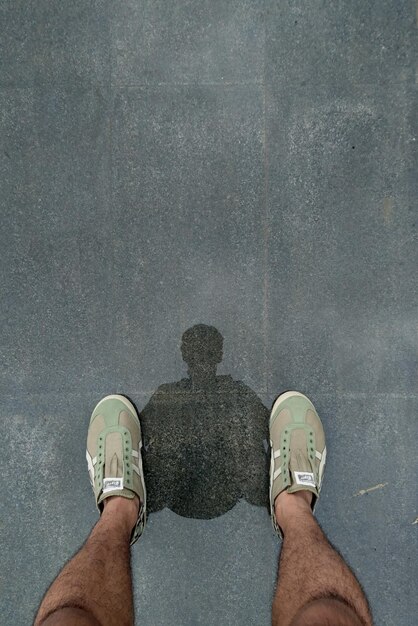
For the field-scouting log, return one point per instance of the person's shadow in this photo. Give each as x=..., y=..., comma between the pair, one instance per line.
x=204, y=437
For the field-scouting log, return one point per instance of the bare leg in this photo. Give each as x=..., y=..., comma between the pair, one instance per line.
x=95, y=588
x=315, y=586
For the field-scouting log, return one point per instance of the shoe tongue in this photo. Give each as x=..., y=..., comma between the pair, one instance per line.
x=114, y=468
x=114, y=455
x=299, y=461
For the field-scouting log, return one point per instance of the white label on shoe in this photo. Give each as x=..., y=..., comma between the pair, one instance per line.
x=305, y=478
x=110, y=484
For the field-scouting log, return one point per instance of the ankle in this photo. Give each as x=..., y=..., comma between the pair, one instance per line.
x=121, y=511
x=291, y=508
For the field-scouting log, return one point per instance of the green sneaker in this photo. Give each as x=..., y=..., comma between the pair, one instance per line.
x=114, y=455
x=298, y=451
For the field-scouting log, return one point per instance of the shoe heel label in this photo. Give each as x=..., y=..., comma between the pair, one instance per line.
x=110, y=484
x=305, y=478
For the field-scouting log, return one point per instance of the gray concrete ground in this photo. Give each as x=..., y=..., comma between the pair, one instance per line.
x=251, y=165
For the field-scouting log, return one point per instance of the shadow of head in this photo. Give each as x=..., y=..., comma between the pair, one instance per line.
x=202, y=350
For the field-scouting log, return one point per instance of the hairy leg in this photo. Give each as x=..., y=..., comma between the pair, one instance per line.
x=94, y=588
x=315, y=586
